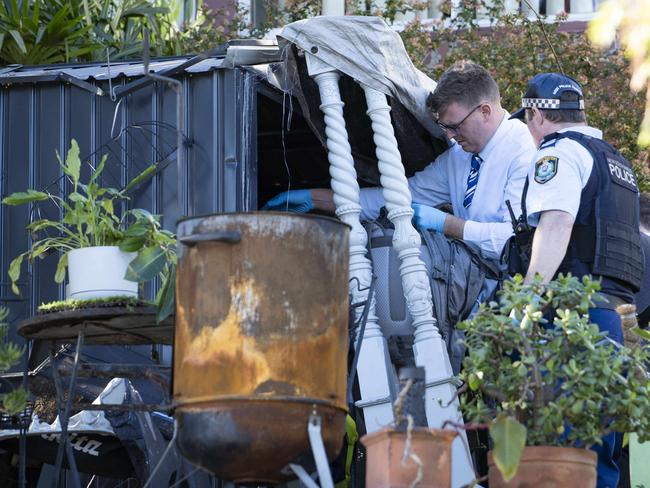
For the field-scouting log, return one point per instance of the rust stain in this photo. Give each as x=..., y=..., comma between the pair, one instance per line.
x=226, y=342
x=251, y=322
x=223, y=360
x=261, y=342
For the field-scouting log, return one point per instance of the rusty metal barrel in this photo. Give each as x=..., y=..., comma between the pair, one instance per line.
x=261, y=341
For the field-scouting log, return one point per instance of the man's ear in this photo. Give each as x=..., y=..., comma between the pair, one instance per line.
x=537, y=116
x=486, y=110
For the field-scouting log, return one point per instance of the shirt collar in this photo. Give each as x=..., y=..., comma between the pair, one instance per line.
x=484, y=153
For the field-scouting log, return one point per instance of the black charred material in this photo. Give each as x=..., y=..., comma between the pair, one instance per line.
x=413, y=402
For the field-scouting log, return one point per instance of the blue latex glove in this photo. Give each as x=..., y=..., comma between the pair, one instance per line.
x=293, y=201
x=428, y=217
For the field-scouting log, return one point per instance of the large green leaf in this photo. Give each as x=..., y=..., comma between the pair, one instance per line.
x=99, y=168
x=138, y=229
x=22, y=197
x=143, y=215
x=19, y=40
x=132, y=244
x=14, y=272
x=76, y=197
x=146, y=265
x=167, y=296
x=509, y=438
x=72, y=165
x=107, y=205
x=642, y=333
x=59, y=276
x=143, y=176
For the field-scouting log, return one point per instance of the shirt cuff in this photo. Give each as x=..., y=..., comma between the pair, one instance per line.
x=472, y=231
x=488, y=237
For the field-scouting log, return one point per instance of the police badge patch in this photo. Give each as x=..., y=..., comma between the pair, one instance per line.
x=545, y=169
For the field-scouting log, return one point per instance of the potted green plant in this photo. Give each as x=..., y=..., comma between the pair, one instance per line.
x=105, y=254
x=549, y=384
x=155, y=250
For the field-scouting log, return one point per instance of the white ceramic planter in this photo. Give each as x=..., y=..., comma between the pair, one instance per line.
x=98, y=272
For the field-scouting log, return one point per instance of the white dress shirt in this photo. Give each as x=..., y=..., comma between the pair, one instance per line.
x=506, y=159
x=562, y=191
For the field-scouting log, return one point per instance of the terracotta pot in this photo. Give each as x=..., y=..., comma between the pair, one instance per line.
x=385, y=448
x=549, y=467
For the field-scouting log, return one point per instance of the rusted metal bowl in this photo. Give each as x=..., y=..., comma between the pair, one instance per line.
x=260, y=341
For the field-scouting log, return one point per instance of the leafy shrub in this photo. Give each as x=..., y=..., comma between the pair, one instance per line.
x=626, y=21
x=54, y=31
x=42, y=32
x=212, y=28
x=535, y=359
x=14, y=401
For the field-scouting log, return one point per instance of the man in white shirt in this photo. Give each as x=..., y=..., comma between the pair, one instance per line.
x=484, y=167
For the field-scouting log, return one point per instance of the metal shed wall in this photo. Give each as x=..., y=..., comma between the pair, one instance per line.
x=39, y=118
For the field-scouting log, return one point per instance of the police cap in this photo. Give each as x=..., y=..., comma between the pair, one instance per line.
x=548, y=91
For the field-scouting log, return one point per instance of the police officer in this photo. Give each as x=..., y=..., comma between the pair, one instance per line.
x=582, y=198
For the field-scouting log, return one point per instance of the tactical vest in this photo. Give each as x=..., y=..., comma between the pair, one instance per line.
x=605, y=239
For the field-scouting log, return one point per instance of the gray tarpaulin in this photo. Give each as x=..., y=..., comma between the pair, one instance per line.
x=368, y=51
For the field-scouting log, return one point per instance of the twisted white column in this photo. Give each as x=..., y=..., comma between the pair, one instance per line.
x=373, y=368
x=428, y=347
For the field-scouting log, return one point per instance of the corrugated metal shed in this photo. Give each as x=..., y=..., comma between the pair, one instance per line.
x=15, y=73
x=43, y=108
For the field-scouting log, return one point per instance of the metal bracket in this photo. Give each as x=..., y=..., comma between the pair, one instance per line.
x=371, y=402
x=454, y=380
x=320, y=457
x=302, y=475
x=84, y=85
x=122, y=91
x=318, y=449
x=9, y=68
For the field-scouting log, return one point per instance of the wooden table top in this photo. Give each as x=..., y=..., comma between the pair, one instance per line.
x=100, y=325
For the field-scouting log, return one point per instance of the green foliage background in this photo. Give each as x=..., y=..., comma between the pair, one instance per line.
x=514, y=49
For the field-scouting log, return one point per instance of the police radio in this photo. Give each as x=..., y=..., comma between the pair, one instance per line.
x=518, y=247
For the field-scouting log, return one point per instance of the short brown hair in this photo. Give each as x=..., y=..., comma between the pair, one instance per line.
x=466, y=83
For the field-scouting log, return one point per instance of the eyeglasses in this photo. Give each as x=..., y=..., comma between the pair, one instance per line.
x=454, y=128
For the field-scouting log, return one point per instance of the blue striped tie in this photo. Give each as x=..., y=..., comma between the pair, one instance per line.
x=472, y=180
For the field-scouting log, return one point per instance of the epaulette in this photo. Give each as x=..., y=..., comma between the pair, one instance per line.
x=549, y=143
